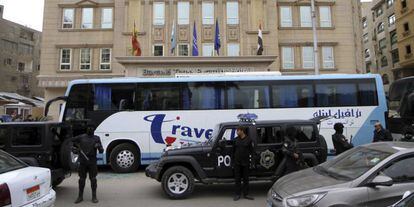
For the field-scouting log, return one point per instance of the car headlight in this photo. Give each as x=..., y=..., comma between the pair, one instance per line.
x=274, y=195
x=305, y=200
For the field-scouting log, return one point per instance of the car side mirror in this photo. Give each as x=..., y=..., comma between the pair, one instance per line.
x=381, y=180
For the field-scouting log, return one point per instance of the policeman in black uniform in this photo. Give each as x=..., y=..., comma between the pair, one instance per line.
x=292, y=156
x=339, y=141
x=243, y=150
x=86, y=146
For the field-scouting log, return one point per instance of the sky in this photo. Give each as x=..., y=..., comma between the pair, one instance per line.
x=25, y=12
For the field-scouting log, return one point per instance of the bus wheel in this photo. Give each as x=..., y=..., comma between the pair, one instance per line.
x=125, y=158
x=178, y=182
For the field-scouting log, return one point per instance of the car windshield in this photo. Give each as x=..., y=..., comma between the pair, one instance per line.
x=9, y=163
x=216, y=130
x=352, y=164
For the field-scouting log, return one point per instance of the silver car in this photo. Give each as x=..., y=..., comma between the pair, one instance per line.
x=374, y=175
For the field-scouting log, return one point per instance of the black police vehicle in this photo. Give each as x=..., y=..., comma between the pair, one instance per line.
x=210, y=162
x=40, y=144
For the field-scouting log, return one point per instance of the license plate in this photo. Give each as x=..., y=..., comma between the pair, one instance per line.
x=33, y=192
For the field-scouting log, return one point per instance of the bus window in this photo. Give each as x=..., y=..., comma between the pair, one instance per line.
x=79, y=101
x=115, y=97
x=289, y=96
x=247, y=95
x=367, y=94
x=344, y=94
x=203, y=95
x=159, y=96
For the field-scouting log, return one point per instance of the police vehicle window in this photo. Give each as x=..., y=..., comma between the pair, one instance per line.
x=114, y=97
x=269, y=135
x=203, y=95
x=229, y=134
x=247, y=95
x=159, y=96
x=401, y=171
x=26, y=136
x=80, y=101
x=338, y=94
x=4, y=135
x=367, y=94
x=305, y=133
x=293, y=95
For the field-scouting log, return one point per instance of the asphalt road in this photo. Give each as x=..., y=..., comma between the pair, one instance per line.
x=136, y=190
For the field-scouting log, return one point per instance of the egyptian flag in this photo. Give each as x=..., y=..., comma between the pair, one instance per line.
x=260, y=41
x=136, y=47
x=217, y=43
x=195, y=48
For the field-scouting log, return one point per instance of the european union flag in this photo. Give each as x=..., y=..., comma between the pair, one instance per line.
x=195, y=48
x=217, y=43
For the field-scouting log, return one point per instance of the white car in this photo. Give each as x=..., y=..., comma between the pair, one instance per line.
x=22, y=185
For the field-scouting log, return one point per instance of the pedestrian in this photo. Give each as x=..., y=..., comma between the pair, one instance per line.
x=293, y=157
x=381, y=134
x=339, y=141
x=243, y=150
x=86, y=146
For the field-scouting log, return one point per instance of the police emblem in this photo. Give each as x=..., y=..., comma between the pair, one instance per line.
x=267, y=159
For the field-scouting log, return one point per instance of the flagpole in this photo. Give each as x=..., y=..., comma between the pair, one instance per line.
x=315, y=39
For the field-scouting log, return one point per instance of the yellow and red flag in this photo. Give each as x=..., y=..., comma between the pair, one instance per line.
x=136, y=47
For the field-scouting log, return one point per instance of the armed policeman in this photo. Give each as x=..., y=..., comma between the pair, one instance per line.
x=86, y=146
x=339, y=141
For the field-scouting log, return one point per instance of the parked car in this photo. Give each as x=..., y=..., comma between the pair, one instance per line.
x=406, y=201
x=210, y=162
x=374, y=175
x=22, y=185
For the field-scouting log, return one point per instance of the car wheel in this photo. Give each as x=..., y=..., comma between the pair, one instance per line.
x=125, y=158
x=68, y=159
x=178, y=182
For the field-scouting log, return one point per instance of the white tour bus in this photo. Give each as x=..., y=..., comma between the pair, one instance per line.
x=136, y=117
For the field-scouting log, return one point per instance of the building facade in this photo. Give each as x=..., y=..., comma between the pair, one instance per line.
x=19, y=58
x=404, y=11
x=92, y=38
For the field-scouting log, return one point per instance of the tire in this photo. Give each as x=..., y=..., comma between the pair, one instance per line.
x=57, y=181
x=178, y=176
x=125, y=158
x=69, y=160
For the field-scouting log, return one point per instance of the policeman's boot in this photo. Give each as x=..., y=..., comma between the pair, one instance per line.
x=81, y=187
x=94, y=186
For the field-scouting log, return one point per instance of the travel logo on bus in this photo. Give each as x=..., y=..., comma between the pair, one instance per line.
x=177, y=130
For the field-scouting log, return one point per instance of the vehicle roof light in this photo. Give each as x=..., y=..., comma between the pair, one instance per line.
x=250, y=118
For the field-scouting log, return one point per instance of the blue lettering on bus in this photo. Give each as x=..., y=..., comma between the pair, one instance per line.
x=157, y=121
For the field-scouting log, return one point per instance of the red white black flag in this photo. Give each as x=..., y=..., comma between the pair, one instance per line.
x=260, y=41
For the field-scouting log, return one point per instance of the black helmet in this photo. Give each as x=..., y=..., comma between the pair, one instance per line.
x=338, y=126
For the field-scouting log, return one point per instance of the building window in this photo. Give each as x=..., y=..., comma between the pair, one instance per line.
x=391, y=20
x=25, y=49
x=379, y=11
x=365, y=38
x=288, y=58
x=20, y=67
x=383, y=43
x=403, y=4
x=183, y=50
x=325, y=19
x=381, y=27
x=364, y=23
x=87, y=18
x=232, y=13
x=286, y=16
x=68, y=17
x=395, y=56
x=159, y=13
x=394, y=38
x=408, y=49
x=367, y=53
x=8, y=61
x=158, y=50
x=406, y=27
x=85, y=58
x=183, y=12
x=208, y=13
x=305, y=16
x=106, y=19
x=233, y=49
x=208, y=49
x=328, y=61
x=105, y=63
x=384, y=62
x=65, y=58
x=390, y=3
x=308, y=57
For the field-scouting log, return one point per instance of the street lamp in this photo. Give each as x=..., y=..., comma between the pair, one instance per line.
x=315, y=39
